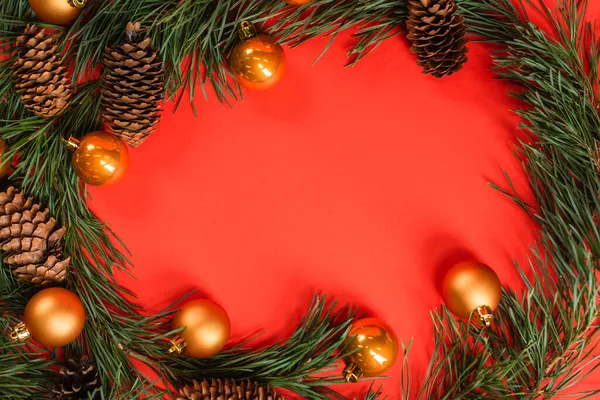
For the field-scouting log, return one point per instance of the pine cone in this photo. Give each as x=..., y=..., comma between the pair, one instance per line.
x=77, y=380
x=31, y=240
x=132, y=87
x=41, y=79
x=227, y=390
x=437, y=35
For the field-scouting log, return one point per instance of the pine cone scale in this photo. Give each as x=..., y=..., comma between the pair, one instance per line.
x=437, y=34
x=133, y=87
x=31, y=240
x=218, y=389
x=40, y=78
x=77, y=380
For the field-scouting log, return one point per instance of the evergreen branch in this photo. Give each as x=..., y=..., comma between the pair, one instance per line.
x=24, y=374
x=545, y=340
x=302, y=363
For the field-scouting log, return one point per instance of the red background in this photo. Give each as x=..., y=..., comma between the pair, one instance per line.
x=365, y=183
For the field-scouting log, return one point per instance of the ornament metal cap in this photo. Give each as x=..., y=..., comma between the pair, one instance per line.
x=246, y=30
x=71, y=143
x=483, y=315
x=177, y=345
x=20, y=333
x=352, y=373
x=78, y=3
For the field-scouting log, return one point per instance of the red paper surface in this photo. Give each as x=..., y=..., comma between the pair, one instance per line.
x=365, y=183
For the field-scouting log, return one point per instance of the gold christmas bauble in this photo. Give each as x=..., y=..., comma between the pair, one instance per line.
x=58, y=12
x=54, y=317
x=206, y=330
x=472, y=287
x=377, y=349
x=99, y=158
x=257, y=61
x=5, y=166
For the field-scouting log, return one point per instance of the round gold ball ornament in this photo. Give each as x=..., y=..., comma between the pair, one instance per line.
x=53, y=318
x=377, y=349
x=257, y=61
x=206, y=330
x=4, y=166
x=57, y=12
x=99, y=158
x=472, y=289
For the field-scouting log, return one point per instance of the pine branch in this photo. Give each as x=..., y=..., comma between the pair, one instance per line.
x=545, y=339
x=23, y=374
x=302, y=363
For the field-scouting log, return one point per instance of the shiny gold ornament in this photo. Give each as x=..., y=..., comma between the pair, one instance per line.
x=471, y=287
x=378, y=348
x=100, y=158
x=257, y=61
x=5, y=166
x=58, y=12
x=53, y=318
x=207, y=329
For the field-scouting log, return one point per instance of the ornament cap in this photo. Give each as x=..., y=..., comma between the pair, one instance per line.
x=20, y=333
x=178, y=345
x=71, y=143
x=352, y=373
x=78, y=3
x=484, y=316
x=246, y=30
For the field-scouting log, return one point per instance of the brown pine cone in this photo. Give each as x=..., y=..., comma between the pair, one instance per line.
x=437, y=35
x=227, y=390
x=40, y=77
x=31, y=240
x=77, y=380
x=132, y=87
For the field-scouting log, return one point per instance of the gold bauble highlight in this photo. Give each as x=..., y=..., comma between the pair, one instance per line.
x=54, y=317
x=472, y=287
x=378, y=349
x=57, y=12
x=257, y=61
x=207, y=327
x=100, y=158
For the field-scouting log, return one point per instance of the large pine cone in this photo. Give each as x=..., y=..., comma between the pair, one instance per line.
x=437, y=35
x=31, y=240
x=227, y=390
x=132, y=87
x=41, y=79
x=77, y=380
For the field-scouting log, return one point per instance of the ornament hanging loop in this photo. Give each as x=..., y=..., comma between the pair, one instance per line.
x=177, y=345
x=484, y=316
x=78, y=3
x=246, y=30
x=20, y=333
x=352, y=373
x=71, y=143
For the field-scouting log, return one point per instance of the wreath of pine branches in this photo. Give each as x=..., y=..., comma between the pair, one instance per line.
x=545, y=337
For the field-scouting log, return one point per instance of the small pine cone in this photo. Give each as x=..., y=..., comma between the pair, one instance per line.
x=227, y=390
x=31, y=240
x=132, y=87
x=437, y=35
x=40, y=77
x=77, y=380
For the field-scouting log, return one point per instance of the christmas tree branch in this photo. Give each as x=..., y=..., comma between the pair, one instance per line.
x=545, y=339
x=23, y=374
